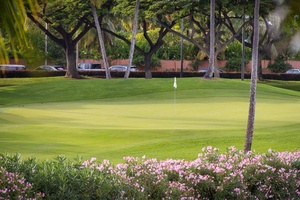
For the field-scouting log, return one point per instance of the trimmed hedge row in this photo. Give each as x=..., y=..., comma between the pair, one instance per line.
x=101, y=74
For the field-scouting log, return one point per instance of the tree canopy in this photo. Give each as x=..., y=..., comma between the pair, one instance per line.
x=68, y=21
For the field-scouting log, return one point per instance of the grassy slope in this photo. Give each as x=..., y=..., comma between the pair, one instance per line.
x=110, y=119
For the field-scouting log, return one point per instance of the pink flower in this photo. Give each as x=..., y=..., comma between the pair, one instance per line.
x=219, y=170
x=237, y=190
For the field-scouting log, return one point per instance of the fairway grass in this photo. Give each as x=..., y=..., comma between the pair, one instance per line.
x=110, y=119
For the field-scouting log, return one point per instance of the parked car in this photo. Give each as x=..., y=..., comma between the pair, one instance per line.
x=293, y=71
x=11, y=67
x=204, y=70
x=50, y=67
x=122, y=68
x=89, y=66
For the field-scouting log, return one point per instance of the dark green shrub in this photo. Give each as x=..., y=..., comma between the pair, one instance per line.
x=279, y=66
x=234, y=65
x=195, y=64
x=233, y=55
x=138, y=60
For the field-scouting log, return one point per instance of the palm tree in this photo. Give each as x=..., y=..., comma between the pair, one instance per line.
x=12, y=17
x=99, y=31
x=251, y=114
x=134, y=30
x=212, y=59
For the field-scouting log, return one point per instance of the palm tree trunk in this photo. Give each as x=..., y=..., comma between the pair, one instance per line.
x=104, y=57
x=251, y=114
x=211, y=66
x=134, y=30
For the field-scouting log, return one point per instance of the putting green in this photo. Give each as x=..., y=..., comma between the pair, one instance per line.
x=111, y=130
x=161, y=124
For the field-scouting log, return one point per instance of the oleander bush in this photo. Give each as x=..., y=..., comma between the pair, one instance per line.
x=14, y=186
x=213, y=175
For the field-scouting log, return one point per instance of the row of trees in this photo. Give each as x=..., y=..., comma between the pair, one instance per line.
x=68, y=22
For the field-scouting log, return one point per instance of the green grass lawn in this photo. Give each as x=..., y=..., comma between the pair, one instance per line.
x=110, y=119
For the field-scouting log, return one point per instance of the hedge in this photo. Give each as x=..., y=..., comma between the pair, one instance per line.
x=101, y=74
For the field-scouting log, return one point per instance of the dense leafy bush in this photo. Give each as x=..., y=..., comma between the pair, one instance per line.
x=13, y=186
x=279, y=66
x=138, y=60
x=233, y=55
x=195, y=64
x=233, y=175
x=234, y=65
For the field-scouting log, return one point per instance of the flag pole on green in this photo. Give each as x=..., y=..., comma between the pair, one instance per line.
x=175, y=84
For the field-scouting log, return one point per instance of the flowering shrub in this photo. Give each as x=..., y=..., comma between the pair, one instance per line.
x=13, y=186
x=232, y=175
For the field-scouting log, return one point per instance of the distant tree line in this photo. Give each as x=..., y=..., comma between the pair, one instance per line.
x=161, y=26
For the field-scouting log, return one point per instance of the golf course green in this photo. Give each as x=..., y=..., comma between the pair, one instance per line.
x=110, y=119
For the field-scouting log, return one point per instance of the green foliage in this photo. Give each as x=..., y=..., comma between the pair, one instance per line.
x=234, y=65
x=66, y=13
x=139, y=60
x=170, y=50
x=233, y=54
x=279, y=66
x=195, y=64
x=61, y=178
x=118, y=50
x=212, y=175
x=13, y=181
x=12, y=26
x=34, y=53
x=90, y=54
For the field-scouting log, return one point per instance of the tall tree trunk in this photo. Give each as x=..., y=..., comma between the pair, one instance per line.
x=251, y=114
x=70, y=51
x=216, y=68
x=259, y=68
x=103, y=51
x=211, y=67
x=134, y=30
x=147, y=60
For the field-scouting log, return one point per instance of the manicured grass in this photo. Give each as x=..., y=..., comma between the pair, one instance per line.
x=109, y=119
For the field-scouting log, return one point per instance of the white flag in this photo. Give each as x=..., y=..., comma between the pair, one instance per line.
x=175, y=84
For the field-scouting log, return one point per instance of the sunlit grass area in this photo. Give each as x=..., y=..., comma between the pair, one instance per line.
x=110, y=119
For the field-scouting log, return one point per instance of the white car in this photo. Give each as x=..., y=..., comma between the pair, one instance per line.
x=89, y=66
x=122, y=68
x=293, y=71
x=12, y=67
x=204, y=70
x=50, y=67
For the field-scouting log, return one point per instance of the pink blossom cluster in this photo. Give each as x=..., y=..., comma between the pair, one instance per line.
x=13, y=186
x=232, y=175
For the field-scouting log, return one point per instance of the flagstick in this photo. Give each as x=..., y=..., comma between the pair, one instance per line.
x=174, y=102
x=175, y=87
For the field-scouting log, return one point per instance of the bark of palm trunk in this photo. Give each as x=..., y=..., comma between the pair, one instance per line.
x=216, y=68
x=252, y=103
x=103, y=51
x=133, y=39
x=259, y=69
x=211, y=67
